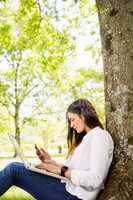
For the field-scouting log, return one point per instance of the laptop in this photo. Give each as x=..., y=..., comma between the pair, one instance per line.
x=28, y=165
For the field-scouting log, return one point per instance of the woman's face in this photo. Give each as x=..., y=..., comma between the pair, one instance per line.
x=76, y=122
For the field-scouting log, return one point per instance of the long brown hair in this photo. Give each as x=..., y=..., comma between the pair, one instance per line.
x=85, y=108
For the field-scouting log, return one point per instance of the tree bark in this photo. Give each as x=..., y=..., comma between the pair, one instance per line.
x=17, y=128
x=116, y=28
x=17, y=108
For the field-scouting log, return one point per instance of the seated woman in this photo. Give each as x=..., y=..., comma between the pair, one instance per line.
x=90, y=153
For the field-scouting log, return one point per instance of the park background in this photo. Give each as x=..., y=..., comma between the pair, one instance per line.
x=50, y=55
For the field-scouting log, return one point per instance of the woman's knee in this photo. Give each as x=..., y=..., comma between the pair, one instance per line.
x=13, y=167
x=14, y=164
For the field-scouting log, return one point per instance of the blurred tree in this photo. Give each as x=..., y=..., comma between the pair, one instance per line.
x=37, y=41
x=33, y=50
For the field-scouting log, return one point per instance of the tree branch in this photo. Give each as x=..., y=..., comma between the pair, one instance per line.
x=27, y=93
x=5, y=105
x=9, y=97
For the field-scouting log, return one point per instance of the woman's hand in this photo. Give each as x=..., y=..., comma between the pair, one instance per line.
x=53, y=162
x=42, y=154
x=50, y=166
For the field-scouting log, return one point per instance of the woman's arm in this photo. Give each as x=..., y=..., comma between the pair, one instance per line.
x=50, y=166
x=54, y=166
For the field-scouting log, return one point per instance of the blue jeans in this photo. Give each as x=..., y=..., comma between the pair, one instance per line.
x=41, y=187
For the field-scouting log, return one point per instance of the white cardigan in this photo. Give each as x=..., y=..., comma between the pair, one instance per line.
x=90, y=164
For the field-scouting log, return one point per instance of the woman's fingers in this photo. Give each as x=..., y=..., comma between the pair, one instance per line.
x=49, y=167
x=45, y=153
x=38, y=152
x=50, y=161
x=42, y=154
x=43, y=166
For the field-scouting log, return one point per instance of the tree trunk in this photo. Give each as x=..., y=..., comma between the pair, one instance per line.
x=116, y=27
x=17, y=128
x=17, y=107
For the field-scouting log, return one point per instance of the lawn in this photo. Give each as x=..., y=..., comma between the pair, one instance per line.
x=16, y=194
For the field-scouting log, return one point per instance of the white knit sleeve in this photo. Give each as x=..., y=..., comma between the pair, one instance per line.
x=99, y=163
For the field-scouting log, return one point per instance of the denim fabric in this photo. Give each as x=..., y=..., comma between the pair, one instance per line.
x=41, y=187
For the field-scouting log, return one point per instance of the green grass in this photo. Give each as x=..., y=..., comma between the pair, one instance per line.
x=15, y=193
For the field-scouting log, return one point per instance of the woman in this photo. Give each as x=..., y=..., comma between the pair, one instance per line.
x=90, y=153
